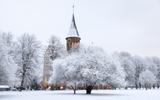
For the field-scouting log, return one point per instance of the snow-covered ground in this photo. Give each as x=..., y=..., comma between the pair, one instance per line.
x=96, y=95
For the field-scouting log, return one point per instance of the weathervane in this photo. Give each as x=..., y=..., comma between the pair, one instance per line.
x=73, y=5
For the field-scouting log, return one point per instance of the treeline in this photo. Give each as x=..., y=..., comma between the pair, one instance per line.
x=21, y=63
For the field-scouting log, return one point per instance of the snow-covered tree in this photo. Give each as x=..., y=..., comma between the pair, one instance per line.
x=56, y=48
x=3, y=67
x=147, y=78
x=140, y=65
x=72, y=73
x=88, y=66
x=7, y=64
x=27, y=59
x=129, y=68
x=156, y=61
x=150, y=64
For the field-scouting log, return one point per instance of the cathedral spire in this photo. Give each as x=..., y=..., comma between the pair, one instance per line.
x=72, y=39
x=73, y=31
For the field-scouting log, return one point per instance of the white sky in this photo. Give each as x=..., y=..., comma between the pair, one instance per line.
x=115, y=25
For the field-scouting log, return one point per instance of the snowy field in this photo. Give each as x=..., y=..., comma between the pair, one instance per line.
x=96, y=95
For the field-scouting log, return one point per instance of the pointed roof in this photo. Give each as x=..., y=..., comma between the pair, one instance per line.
x=73, y=31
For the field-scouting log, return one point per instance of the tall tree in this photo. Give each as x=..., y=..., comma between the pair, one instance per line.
x=27, y=59
x=7, y=64
x=140, y=65
x=147, y=79
x=156, y=61
x=128, y=67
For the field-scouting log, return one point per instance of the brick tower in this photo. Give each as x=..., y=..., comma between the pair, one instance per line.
x=73, y=38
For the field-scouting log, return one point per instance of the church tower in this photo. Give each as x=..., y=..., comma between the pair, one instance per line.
x=47, y=69
x=73, y=38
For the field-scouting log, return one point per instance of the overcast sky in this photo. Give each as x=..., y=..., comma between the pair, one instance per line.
x=115, y=25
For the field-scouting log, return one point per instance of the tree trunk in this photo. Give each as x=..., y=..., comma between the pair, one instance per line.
x=74, y=91
x=74, y=87
x=158, y=86
x=23, y=75
x=146, y=86
x=89, y=89
x=136, y=85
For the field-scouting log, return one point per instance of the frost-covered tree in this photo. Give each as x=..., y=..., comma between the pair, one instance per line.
x=3, y=66
x=150, y=65
x=57, y=76
x=156, y=61
x=88, y=66
x=56, y=48
x=129, y=68
x=27, y=59
x=100, y=68
x=71, y=72
x=140, y=65
x=7, y=64
x=147, y=78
